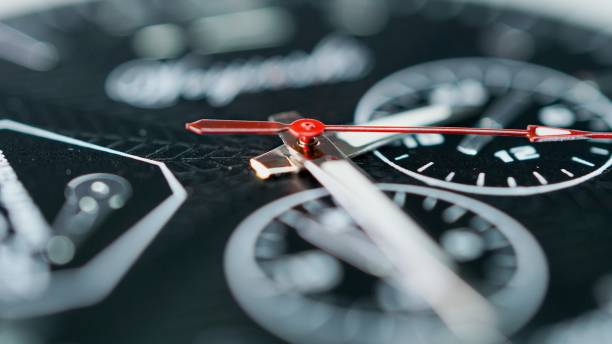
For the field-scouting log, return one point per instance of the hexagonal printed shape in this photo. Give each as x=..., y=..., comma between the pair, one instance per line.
x=74, y=217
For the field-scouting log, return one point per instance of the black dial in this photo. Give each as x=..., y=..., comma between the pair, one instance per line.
x=103, y=89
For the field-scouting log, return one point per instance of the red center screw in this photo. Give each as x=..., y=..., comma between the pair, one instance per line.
x=306, y=130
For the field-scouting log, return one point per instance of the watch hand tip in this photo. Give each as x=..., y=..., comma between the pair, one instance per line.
x=193, y=127
x=260, y=170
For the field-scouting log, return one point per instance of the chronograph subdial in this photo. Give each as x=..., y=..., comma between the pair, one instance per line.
x=502, y=94
x=303, y=269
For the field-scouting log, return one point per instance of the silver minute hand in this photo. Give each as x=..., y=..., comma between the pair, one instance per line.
x=420, y=263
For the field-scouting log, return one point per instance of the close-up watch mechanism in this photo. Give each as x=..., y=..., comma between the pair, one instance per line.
x=305, y=171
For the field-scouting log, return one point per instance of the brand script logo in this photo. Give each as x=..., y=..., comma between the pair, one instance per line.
x=159, y=84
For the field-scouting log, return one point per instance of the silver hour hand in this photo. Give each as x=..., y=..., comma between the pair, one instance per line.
x=500, y=114
x=422, y=266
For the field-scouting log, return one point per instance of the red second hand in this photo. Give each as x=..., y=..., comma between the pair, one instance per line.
x=306, y=130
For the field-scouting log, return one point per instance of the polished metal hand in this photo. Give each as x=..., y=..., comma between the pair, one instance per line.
x=417, y=263
x=422, y=266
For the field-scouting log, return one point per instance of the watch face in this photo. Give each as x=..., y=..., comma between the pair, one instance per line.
x=118, y=225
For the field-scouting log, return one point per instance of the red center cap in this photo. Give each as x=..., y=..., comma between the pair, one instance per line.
x=306, y=129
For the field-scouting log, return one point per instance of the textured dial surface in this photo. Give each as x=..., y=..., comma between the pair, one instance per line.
x=127, y=75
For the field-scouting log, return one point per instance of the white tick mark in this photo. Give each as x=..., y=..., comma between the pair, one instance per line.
x=511, y=182
x=400, y=198
x=599, y=151
x=401, y=157
x=450, y=176
x=424, y=167
x=582, y=161
x=480, y=181
x=540, y=178
x=453, y=213
x=567, y=173
x=429, y=203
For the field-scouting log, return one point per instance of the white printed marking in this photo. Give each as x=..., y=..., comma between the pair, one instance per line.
x=136, y=82
x=136, y=238
x=582, y=161
x=400, y=198
x=424, y=167
x=401, y=157
x=567, y=173
x=599, y=151
x=557, y=116
x=409, y=142
x=429, y=203
x=241, y=30
x=453, y=213
x=450, y=176
x=481, y=179
x=540, y=178
x=511, y=182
